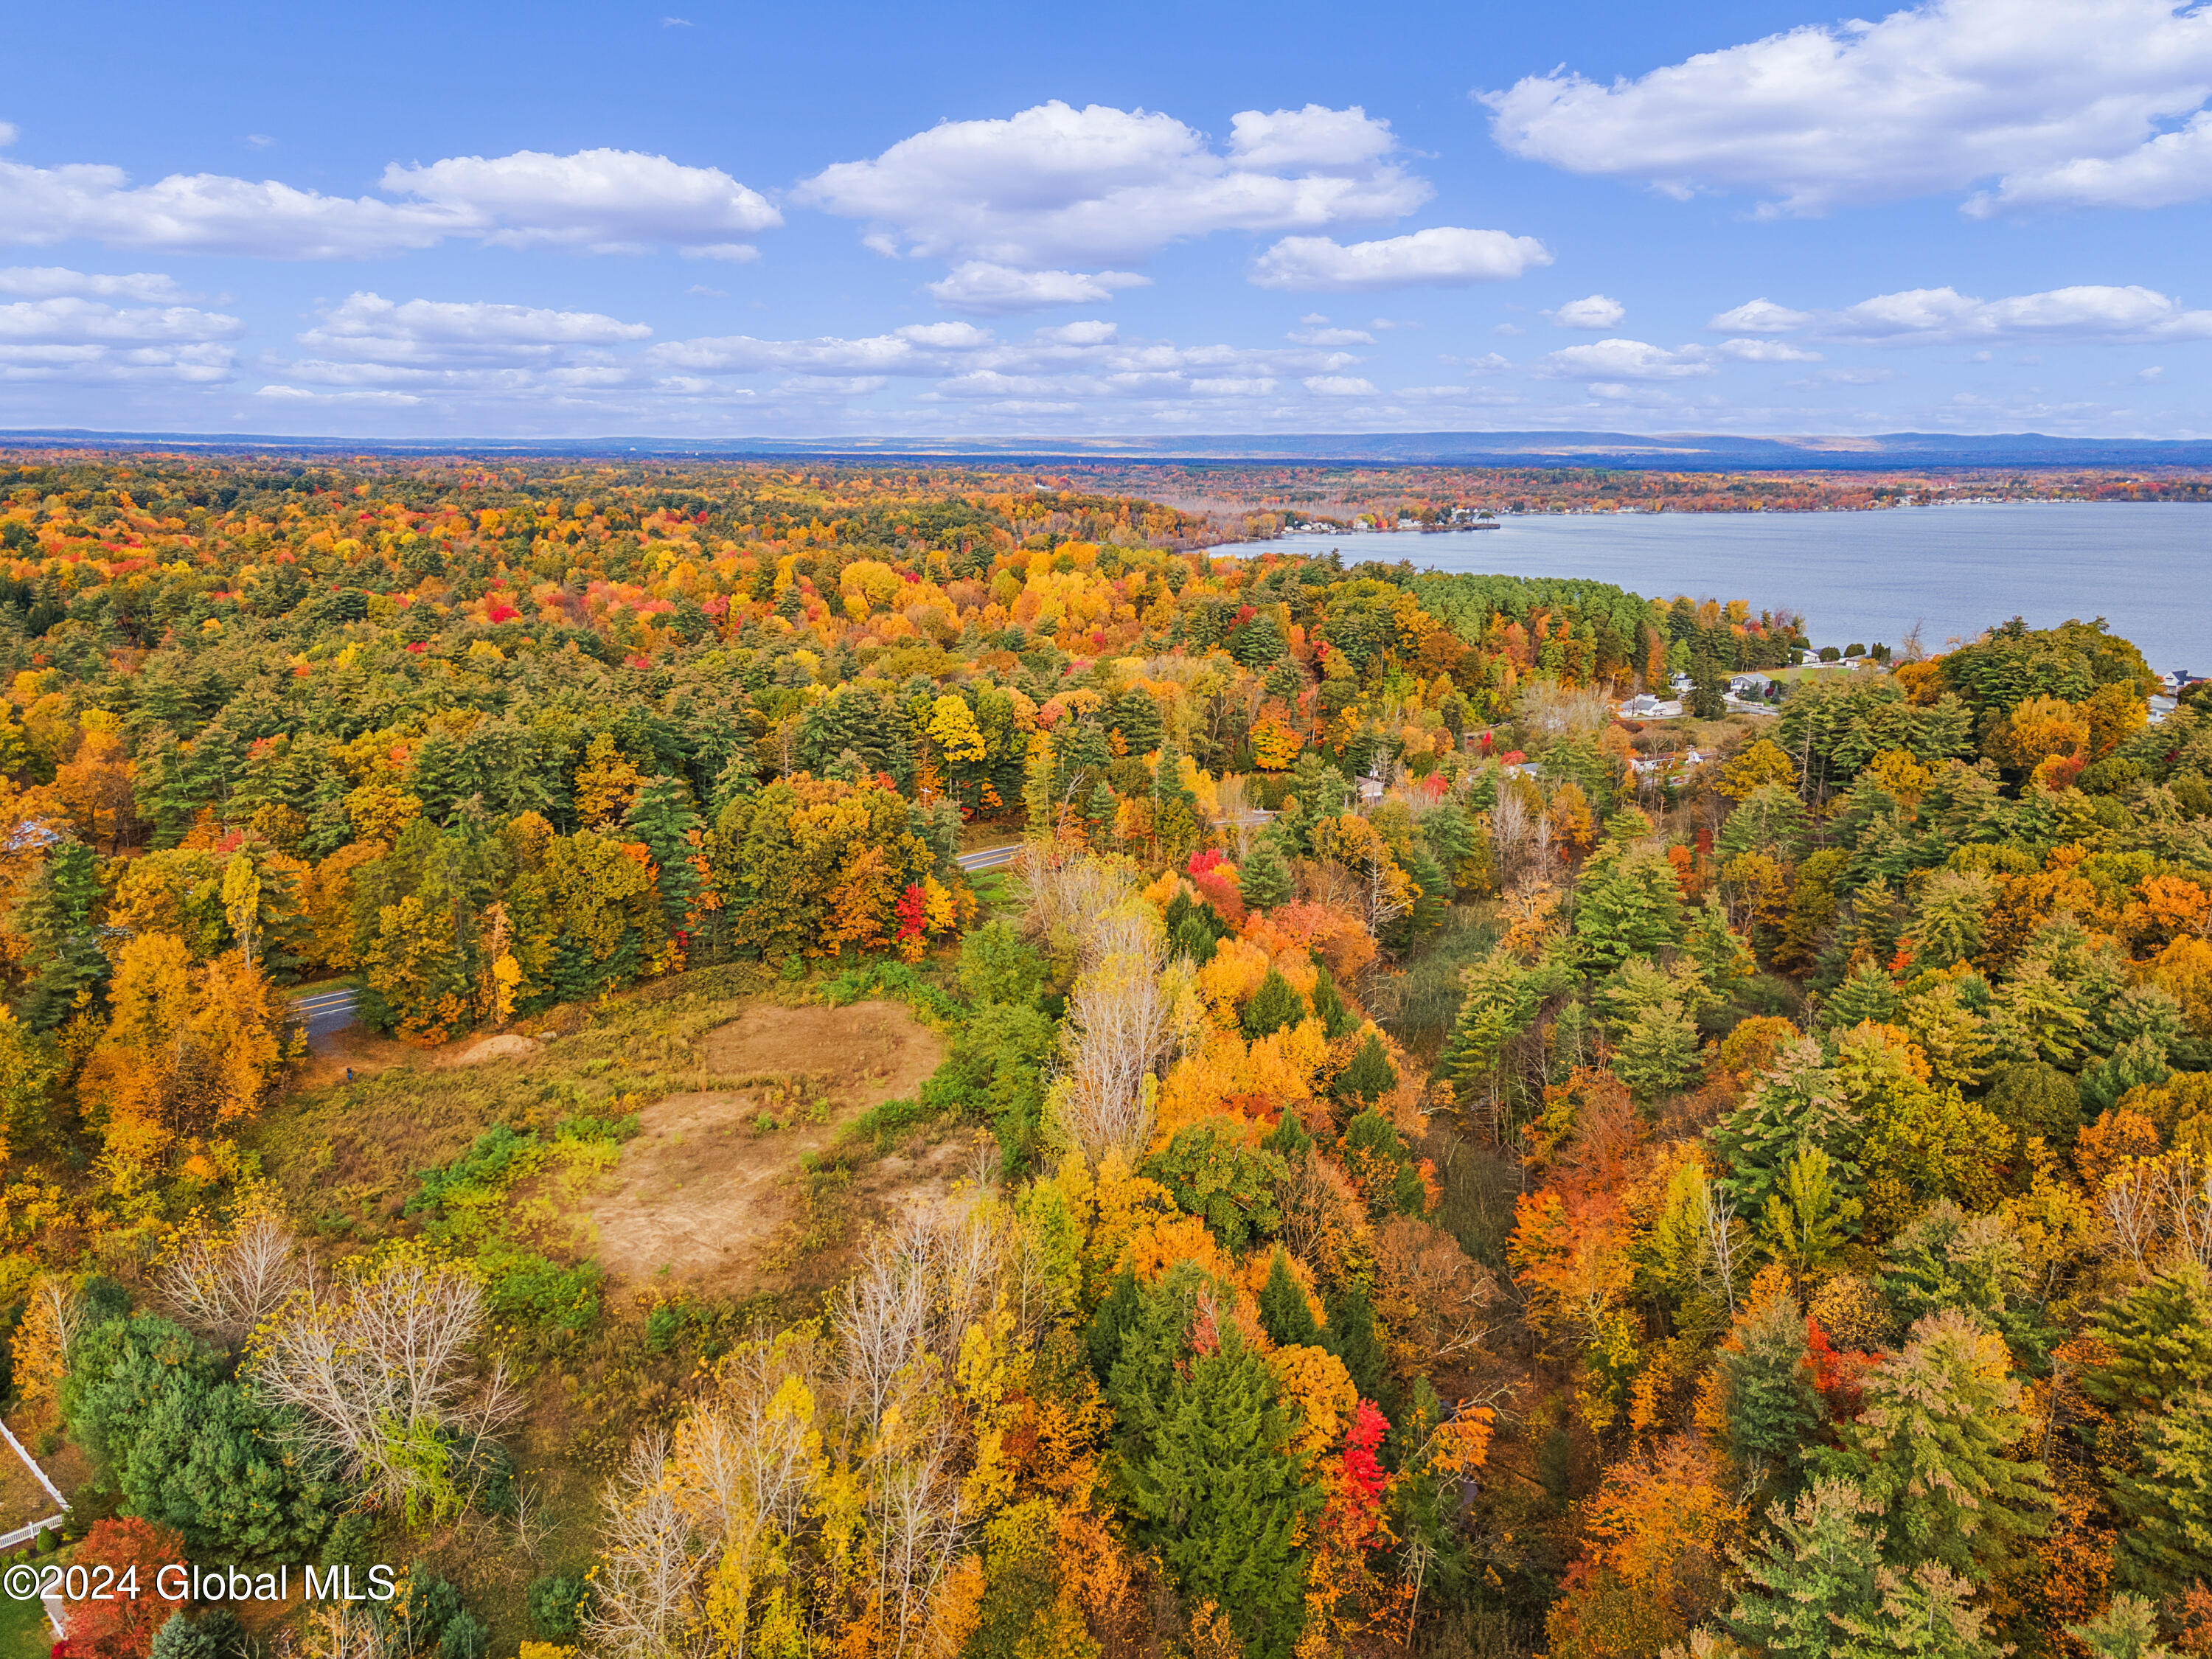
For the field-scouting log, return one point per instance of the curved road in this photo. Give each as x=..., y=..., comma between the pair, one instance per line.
x=326, y=1013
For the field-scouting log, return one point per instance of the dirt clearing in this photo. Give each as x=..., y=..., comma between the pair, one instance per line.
x=708, y=1183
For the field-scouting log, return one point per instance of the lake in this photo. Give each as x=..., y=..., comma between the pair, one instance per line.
x=2146, y=568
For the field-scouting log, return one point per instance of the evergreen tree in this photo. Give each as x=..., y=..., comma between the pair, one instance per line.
x=1284, y=1312
x=2166, y=1497
x=1263, y=878
x=1204, y=1462
x=1866, y=993
x=1369, y=1076
x=995, y=966
x=1629, y=905
x=1948, y=1260
x=1718, y=950
x=1931, y=1447
x=1766, y=1393
x=1708, y=698
x=2128, y=1629
x=2157, y=1342
x=1328, y=1006
x=2033, y=1098
x=180, y=1638
x=1657, y=1053
x=1814, y=1568
x=1798, y=1103
x=1924, y=1612
x=663, y=819
x=1274, y=1006
x=55, y=918
x=1289, y=1139
x=1350, y=1335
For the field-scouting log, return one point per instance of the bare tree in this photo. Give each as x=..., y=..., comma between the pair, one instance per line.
x=382, y=1365
x=1719, y=1215
x=224, y=1283
x=918, y=1533
x=1119, y=1028
x=645, y=1591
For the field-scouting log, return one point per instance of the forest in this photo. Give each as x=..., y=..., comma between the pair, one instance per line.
x=1385, y=1156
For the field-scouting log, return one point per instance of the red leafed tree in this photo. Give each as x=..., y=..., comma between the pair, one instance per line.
x=1840, y=1376
x=912, y=913
x=1364, y=1480
x=123, y=1627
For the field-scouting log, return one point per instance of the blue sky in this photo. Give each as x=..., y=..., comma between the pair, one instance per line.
x=1982, y=215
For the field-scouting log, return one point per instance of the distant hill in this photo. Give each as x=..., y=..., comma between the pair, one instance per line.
x=1673, y=451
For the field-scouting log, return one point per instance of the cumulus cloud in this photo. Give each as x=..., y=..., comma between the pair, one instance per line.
x=1340, y=385
x=1596, y=312
x=1759, y=317
x=73, y=338
x=2060, y=101
x=615, y=200
x=1334, y=337
x=2174, y=167
x=598, y=200
x=1937, y=316
x=436, y=333
x=1767, y=351
x=1625, y=360
x=983, y=288
x=54, y=282
x=1054, y=185
x=1447, y=255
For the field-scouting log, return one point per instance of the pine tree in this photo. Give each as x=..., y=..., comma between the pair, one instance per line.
x=1816, y=1566
x=1284, y=1312
x=1263, y=877
x=1369, y=1076
x=1766, y=1394
x=2157, y=1342
x=1718, y=950
x=2128, y=1629
x=1274, y=1006
x=1205, y=1466
x=1931, y=1447
x=1289, y=1138
x=1328, y=1006
x=180, y=1638
x=1924, y=1612
x=1657, y=1053
x=1866, y=993
x=55, y=919
x=1629, y=905
x=1798, y=1103
x=1350, y=1336
x=2165, y=1498
x=663, y=819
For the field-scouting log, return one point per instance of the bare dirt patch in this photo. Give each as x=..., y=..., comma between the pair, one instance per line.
x=706, y=1186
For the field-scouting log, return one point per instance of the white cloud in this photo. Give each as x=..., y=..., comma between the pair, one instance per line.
x=1340, y=385
x=1447, y=255
x=1767, y=351
x=2062, y=100
x=2173, y=166
x=600, y=200
x=1759, y=317
x=69, y=338
x=735, y=253
x=1625, y=360
x=615, y=199
x=53, y=282
x=1596, y=312
x=435, y=333
x=985, y=290
x=1332, y=336
x=1935, y=316
x=293, y=394
x=1828, y=377
x=1056, y=186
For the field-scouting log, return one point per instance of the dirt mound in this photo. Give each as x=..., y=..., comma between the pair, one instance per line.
x=505, y=1046
x=703, y=1187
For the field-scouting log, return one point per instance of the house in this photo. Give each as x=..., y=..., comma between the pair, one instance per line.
x=1370, y=790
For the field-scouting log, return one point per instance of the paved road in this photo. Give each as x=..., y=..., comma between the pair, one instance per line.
x=990, y=857
x=323, y=1014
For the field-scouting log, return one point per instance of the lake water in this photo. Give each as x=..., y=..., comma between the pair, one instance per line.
x=2146, y=568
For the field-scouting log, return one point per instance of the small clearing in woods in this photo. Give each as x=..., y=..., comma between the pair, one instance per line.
x=709, y=1181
